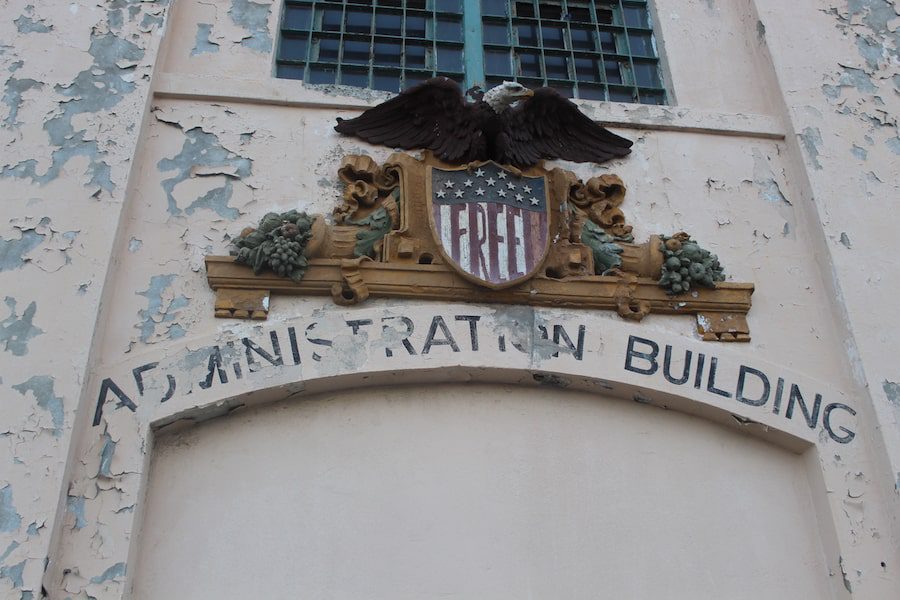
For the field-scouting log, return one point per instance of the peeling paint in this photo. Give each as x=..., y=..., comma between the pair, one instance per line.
x=42, y=388
x=15, y=331
x=26, y=24
x=114, y=572
x=203, y=149
x=764, y=180
x=98, y=88
x=10, y=520
x=106, y=455
x=160, y=310
x=892, y=391
x=845, y=240
x=75, y=505
x=893, y=144
x=12, y=97
x=254, y=18
x=134, y=244
x=811, y=138
x=216, y=200
x=860, y=153
x=202, y=43
x=14, y=574
x=12, y=252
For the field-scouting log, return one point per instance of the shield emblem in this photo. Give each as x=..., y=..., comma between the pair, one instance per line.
x=491, y=224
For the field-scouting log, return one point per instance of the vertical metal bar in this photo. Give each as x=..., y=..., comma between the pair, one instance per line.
x=371, y=66
x=630, y=58
x=473, y=51
x=602, y=74
x=309, y=37
x=339, y=68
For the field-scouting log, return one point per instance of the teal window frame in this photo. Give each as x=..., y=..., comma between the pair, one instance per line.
x=588, y=49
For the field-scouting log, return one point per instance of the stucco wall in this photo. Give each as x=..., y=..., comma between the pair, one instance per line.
x=140, y=136
x=475, y=491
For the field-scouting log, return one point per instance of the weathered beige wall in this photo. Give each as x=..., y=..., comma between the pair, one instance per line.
x=138, y=137
x=475, y=491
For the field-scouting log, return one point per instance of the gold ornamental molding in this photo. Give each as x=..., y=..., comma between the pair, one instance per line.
x=426, y=229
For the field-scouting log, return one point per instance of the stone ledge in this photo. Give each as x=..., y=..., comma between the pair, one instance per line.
x=285, y=92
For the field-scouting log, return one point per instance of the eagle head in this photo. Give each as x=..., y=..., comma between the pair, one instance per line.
x=504, y=95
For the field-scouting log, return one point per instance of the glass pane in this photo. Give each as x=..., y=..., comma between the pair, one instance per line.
x=635, y=17
x=579, y=13
x=415, y=26
x=356, y=52
x=591, y=92
x=497, y=62
x=388, y=81
x=328, y=50
x=551, y=11
x=289, y=71
x=387, y=54
x=621, y=95
x=355, y=78
x=653, y=98
x=495, y=34
x=530, y=64
x=454, y=6
x=613, y=74
x=294, y=48
x=297, y=17
x=415, y=56
x=331, y=19
x=494, y=7
x=388, y=23
x=557, y=67
x=640, y=44
x=604, y=16
x=358, y=21
x=525, y=9
x=397, y=3
x=607, y=42
x=449, y=30
x=553, y=36
x=646, y=75
x=366, y=2
x=582, y=38
x=587, y=69
x=320, y=74
x=528, y=35
x=449, y=59
x=416, y=4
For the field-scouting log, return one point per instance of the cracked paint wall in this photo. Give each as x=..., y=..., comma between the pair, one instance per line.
x=74, y=80
x=141, y=136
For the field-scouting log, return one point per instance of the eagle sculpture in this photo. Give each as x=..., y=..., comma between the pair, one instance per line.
x=509, y=124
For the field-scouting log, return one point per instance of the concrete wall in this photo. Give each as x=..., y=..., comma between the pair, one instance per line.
x=140, y=136
x=475, y=491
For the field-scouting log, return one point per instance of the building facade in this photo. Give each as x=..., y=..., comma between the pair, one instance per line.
x=486, y=450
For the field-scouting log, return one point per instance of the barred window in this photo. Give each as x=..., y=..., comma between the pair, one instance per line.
x=591, y=49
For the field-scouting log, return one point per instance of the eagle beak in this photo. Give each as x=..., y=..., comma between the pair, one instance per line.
x=528, y=92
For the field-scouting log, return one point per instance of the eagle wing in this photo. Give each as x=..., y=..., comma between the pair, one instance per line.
x=432, y=115
x=550, y=126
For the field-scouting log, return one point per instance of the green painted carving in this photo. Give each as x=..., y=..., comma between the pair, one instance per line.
x=377, y=225
x=276, y=244
x=686, y=264
x=606, y=252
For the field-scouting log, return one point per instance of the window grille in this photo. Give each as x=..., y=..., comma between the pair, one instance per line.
x=591, y=49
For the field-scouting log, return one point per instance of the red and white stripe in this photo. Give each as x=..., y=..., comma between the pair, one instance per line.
x=492, y=241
